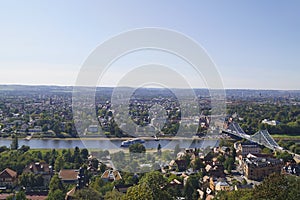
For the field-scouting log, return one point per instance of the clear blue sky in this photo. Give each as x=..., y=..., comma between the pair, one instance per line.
x=255, y=44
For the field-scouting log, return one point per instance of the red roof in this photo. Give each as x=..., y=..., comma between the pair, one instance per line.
x=68, y=174
x=8, y=173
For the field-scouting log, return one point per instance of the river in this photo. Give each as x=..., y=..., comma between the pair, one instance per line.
x=107, y=144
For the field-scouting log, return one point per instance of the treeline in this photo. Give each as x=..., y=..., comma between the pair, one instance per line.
x=251, y=114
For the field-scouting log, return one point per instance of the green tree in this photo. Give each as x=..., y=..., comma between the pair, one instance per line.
x=84, y=153
x=113, y=195
x=15, y=143
x=137, y=148
x=198, y=164
x=273, y=187
x=59, y=163
x=285, y=156
x=191, y=187
x=155, y=181
x=55, y=184
x=21, y=195
x=159, y=149
x=87, y=194
x=56, y=195
x=138, y=192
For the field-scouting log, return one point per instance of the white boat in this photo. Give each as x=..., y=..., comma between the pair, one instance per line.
x=28, y=137
x=127, y=143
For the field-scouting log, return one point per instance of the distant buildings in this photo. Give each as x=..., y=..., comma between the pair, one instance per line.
x=270, y=122
x=93, y=129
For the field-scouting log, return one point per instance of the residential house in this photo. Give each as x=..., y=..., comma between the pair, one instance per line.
x=215, y=169
x=111, y=175
x=122, y=188
x=291, y=168
x=178, y=165
x=8, y=178
x=219, y=184
x=41, y=168
x=69, y=176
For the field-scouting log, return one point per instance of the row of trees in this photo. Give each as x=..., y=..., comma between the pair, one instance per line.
x=252, y=114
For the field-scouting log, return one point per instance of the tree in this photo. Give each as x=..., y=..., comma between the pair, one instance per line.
x=87, y=194
x=197, y=164
x=176, y=149
x=113, y=195
x=56, y=189
x=59, y=163
x=285, y=156
x=137, y=148
x=77, y=158
x=15, y=143
x=274, y=187
x=31, y=180
x=55, y=184
x=159, y=149
x=56, y=195
x=228, y=164
x=102, y=167
x=95, y=163
x=138, y=192
x=84, y=153
x=21, y=195
x=191, y=187
x=154, y=182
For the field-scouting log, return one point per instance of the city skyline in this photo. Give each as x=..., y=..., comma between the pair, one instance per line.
x=254, y=44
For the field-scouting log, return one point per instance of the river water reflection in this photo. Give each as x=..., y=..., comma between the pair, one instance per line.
x=106, y=144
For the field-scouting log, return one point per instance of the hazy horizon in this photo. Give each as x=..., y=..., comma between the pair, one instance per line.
x=53, y=85
x=254, y=44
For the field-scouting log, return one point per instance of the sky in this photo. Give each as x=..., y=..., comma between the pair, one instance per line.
x=254, y=44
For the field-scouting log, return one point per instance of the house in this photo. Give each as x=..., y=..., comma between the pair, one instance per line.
x=122, y=188
x=179, y=165
x=257, y=168
x=270, y=122
x=111, y=175
x=291, y=168
x=41, y=168
x=219, y=184
x=69, y=176
x=222, y=185
x=8, y=178
x=215, y=170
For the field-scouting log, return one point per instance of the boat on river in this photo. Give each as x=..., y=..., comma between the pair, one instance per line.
x=127, y=143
